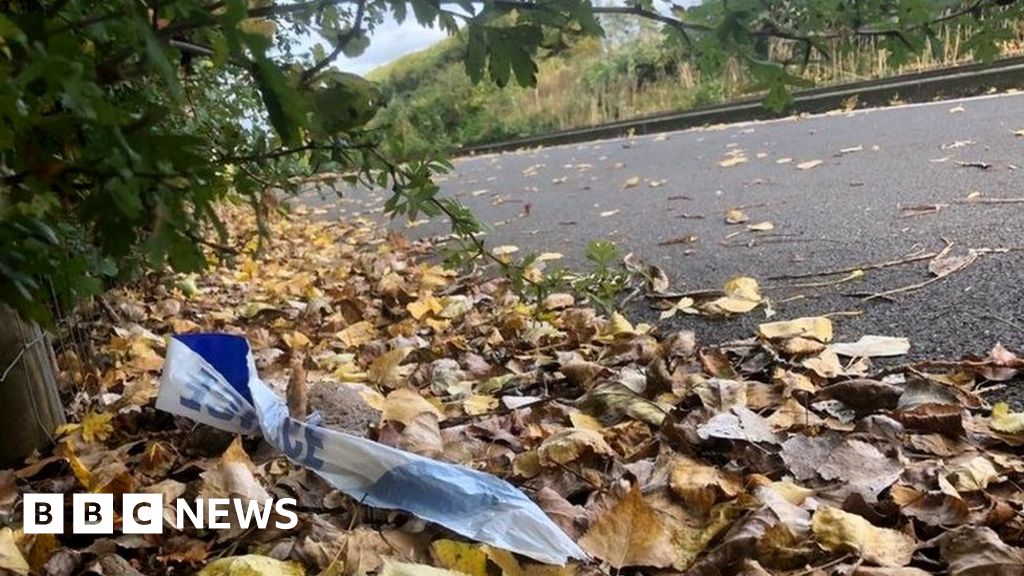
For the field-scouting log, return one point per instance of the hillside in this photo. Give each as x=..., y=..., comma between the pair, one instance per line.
x=633, y=71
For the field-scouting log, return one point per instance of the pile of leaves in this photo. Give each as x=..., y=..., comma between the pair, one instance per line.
x=782, y=454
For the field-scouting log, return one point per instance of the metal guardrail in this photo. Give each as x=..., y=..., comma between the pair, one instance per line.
x=965, y=80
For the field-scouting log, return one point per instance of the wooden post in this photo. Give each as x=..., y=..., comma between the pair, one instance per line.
x=30, y=408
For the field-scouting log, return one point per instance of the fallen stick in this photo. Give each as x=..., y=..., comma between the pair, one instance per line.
x=992, y=201
x=878, y=266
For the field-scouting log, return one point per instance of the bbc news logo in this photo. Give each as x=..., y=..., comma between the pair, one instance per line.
x=144, y=513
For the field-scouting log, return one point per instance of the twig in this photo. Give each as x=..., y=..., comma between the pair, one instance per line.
x=1004, y=321
x=992, y=201
x=343, y=41
x=822, y=567
x=824, y=284
x=878, y=266
x=21, y=353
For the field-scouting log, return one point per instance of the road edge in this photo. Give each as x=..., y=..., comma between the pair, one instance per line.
x=959, y=81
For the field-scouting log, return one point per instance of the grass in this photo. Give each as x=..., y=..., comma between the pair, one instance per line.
x=591, y=83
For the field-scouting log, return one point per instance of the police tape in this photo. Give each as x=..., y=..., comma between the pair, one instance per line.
x=212, y=378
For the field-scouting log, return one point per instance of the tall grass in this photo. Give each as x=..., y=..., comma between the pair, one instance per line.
x=593, y=83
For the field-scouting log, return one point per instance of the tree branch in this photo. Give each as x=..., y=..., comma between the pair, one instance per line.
x=343, y=40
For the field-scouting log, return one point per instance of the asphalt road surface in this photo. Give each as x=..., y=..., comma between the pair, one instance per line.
x=891, y=183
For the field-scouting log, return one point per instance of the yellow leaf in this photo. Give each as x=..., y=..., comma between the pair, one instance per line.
x=570, y=444
x=790, y=492
x=478, y=404
x=732, y=161
x=504, y=560
x=701, y=486
x=839, y=531
x=404, y=405
x=11, y=558
x=296, y=340
x=384, y=371
x=461, y=557
x=357, y=334
x=742, y=295
x=735, y=216
x=82, y=473
x=40, y=550
x=631, y=183
x=434, y=277
x=1006, y=422
x=504, y=253
x=974, y=475
x=743, y=287
x=96, y=426
x=586, y=421
x=426, y=305
x=761, y=226
x=817, y=327
x=631, y=533
x=618, y=324
x=809, y=164
x=410, y=569
x=251, y=565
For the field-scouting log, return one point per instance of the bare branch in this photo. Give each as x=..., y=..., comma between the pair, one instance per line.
x=343, y=41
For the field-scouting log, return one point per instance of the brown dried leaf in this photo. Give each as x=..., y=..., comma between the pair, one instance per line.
x=839, y=531
x=978, y=551
x=631, y=533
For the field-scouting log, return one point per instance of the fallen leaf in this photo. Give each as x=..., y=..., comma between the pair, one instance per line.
x=427, y=304
x=251, y=565
x=735, y=216
x=742, y=295
x=861, y=468
x=978, y=551
x=738, y=424
x=477, y=404
x=631, y=533
x=732, y=161
x=386, y=370
x=608, y=213
x=612, y=401
x=684, y=305
x=392, y=568
x=11, y=558
x=631, y=182
x=571, y=444
x=826, y=364
x=816, y=327
x=1005, y=422
x=934, y=508
x=761, y=226
x=403, y=405
x=459, y=557
x=358, y=334
x=870, y=346
x=809, y=164
x=702, y=486
x=973, y=475
x=839, y=531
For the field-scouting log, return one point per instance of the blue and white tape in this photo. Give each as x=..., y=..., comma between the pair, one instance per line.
x=211, y=378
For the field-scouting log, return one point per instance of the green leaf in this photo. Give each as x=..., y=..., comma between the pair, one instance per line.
x=283, y=106
x=476, y=52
